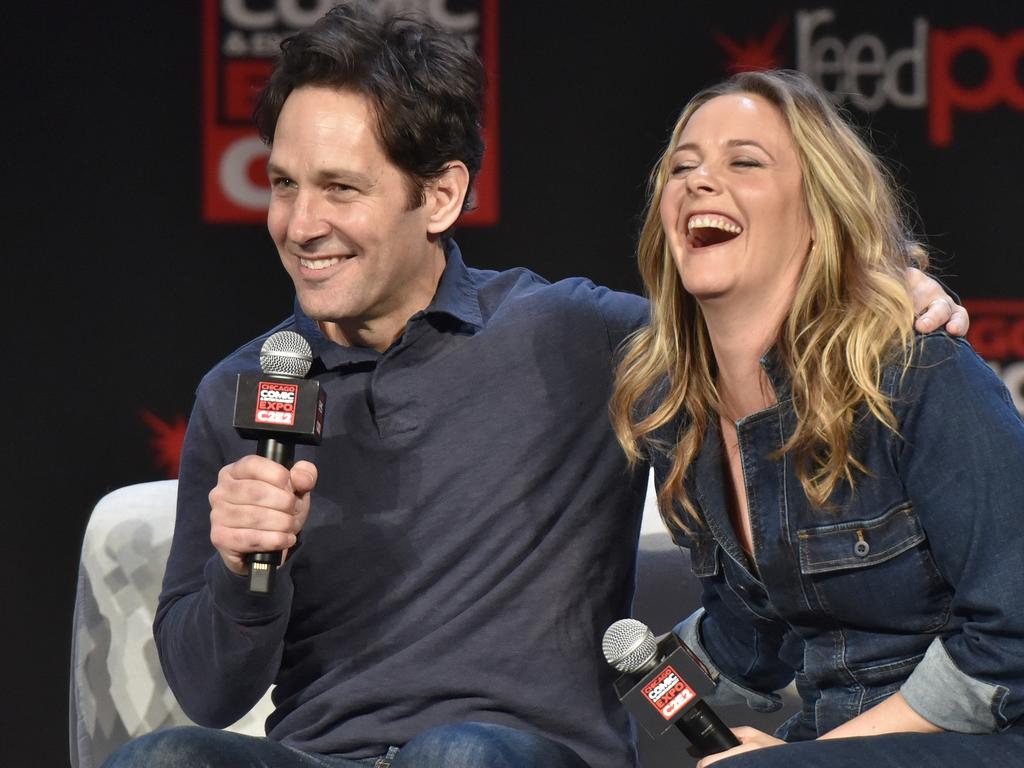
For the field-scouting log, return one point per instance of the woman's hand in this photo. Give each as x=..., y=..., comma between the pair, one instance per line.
x=750, y=739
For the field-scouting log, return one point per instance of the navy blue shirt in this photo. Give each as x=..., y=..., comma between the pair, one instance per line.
x=471, y=536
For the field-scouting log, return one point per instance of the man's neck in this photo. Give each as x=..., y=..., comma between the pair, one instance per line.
x=382, y=330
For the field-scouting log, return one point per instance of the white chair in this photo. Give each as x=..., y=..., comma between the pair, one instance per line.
x=118, y=690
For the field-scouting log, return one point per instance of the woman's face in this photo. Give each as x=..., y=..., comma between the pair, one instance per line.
x=733, y=208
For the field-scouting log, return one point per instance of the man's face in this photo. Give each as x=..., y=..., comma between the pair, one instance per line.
x=339, y=215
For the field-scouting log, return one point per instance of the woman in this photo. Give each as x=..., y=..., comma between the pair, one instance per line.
x=852, y=496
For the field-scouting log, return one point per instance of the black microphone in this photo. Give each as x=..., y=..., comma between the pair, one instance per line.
x=279, y=409
x=652, y=686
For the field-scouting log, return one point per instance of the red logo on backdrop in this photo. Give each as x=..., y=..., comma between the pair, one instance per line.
x=997, y=334
x=755, y=54
x=240, y=41
x=871, y=74
x=275, y=403
x=165, y=440
x=668, y=693
x=997, y=328
x=1002, y=56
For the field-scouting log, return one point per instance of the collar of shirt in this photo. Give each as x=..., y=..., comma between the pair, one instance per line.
x=456, y=297
x=774, y=368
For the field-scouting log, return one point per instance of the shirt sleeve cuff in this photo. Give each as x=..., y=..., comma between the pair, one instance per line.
x=231, y=595
x=944, y=696
x=727, y=692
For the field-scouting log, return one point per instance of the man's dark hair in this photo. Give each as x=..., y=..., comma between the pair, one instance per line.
x=424, y=84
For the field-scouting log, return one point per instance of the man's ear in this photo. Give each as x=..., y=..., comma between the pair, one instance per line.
x=445, y=196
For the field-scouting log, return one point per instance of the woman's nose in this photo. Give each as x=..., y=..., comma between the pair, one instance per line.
x=702, y=179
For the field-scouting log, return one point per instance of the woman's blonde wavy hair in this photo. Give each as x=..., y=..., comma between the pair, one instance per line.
x=851, y=315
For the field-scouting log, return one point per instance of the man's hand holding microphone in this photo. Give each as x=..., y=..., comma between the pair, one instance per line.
x=258, y=505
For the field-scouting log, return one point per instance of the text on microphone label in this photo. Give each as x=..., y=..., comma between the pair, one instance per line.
x=668, y=693
x=275, y=403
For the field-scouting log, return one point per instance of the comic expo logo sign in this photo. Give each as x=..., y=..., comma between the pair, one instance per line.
x=276, y=402
x=667, y=693
x=240, y=41
x=869, y=73
x=997, y=334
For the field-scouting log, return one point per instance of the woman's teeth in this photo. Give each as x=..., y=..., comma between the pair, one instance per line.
x=713, y=222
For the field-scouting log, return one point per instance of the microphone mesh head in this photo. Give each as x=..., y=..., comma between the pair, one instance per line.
x=286, y=353
x=629, y=646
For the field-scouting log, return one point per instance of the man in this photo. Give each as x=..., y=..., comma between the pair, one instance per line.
x=468, y=526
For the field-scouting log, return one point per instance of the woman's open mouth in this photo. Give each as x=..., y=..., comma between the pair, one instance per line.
x=706, y=229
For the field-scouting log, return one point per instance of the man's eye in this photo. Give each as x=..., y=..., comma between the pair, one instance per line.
x=282, y=183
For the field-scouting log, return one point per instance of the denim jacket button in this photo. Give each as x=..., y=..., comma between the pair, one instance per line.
x=861, y=548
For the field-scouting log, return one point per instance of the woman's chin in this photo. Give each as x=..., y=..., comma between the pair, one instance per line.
x=712, y=291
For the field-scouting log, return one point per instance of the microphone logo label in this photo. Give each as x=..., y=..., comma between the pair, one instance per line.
x=275, y=403
x=668, y=693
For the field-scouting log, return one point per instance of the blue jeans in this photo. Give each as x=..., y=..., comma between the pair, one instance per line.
x=465, y=745
x=897, y=750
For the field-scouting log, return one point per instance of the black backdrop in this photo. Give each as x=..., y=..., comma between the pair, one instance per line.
x=123, y=296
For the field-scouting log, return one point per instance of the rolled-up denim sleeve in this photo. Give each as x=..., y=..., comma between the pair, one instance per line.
x=940, y=693
x=961, y=457
x=727, y=691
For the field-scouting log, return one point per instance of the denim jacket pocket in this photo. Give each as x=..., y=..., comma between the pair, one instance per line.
x=876, y=573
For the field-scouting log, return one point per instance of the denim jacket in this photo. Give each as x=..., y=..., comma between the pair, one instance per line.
x=913, y=582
